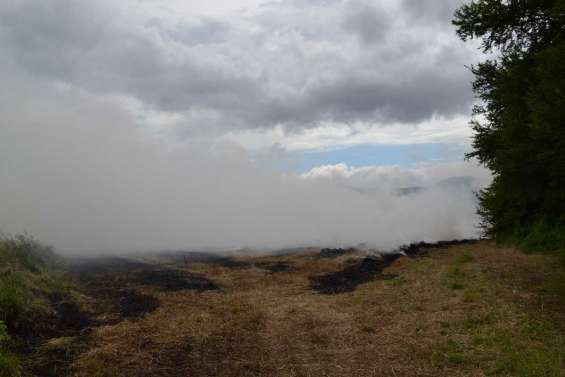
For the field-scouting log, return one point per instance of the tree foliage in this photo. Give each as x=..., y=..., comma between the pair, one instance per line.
x=520, y=122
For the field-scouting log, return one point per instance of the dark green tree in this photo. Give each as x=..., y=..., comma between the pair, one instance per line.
x=520, y=122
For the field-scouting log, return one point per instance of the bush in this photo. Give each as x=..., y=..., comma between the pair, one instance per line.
x=24, y=252
x=28, y=282
x=540, y=238
x=9, y=363
x=14, y=298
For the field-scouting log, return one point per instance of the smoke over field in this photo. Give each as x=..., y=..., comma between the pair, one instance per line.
x=151, y=125
x=83, y=177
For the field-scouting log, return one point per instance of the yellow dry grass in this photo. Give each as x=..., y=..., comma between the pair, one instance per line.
x=429, y=321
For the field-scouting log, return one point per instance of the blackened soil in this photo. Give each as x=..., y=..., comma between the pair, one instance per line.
x=131, y=303
x=189, y=257
x=65, y=319
x=417, y=249
x=106, y=266
x=122, y=271
x=114, y=284
x=275, y=267
x=69, y=318
x=349, y=278
x=231, y=263
x=172, y=280
x=334, y=253
x=114, y=304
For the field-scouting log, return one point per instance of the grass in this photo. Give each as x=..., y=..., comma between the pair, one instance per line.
x=540, y=238
x=469, y=310
x=30, y=276
x=9, y=363
x=502, y=337
x=450, y=353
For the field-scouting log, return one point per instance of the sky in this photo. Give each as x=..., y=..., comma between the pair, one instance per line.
x=168, y=124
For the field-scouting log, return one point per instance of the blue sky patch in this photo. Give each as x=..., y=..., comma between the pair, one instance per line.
x=406, y=155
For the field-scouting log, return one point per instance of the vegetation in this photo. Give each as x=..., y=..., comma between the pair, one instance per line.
x=30, y=285
x=467, y=310
x=520, y=123
x=9, y=363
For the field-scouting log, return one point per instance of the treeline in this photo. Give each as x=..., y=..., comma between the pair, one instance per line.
x=519, y=123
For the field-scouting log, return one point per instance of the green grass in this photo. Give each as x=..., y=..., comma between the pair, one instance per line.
x=29, y=279
x=500, y=334
x=555, y=284
x=455, y=277
x=9, y=363
x=451, y=353
x=536, y=349
x=540, y=239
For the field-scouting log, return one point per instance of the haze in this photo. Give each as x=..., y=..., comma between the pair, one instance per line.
x=150, y=125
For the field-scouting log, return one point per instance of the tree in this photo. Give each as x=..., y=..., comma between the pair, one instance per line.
x=520, y=122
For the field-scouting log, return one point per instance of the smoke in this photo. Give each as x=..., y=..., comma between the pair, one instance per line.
x=79, y=172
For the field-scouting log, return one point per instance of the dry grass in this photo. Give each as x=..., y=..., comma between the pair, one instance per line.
x=471, y=310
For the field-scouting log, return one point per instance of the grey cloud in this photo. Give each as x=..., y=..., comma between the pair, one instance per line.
x=368, y=22
x=275, y=75
x=203, y=31
x=428, y=11
x=405, y=100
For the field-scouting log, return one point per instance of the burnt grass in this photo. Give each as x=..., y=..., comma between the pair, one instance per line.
x=126, y=271
x=172, y=280
x=275, y=267
x=131, y=303
x=367, y=269
x=334, y=253
x=418, y=248
x=350, y=277
x=117, y=298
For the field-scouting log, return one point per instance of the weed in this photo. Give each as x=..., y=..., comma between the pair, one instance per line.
x=555, y=284
x=450, y=353
x=31, y=291
x=535, y=352
x=9, y=363
x=473, y=320
x=463, y=258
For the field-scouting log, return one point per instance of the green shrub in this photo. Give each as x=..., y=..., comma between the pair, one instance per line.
x=28, y=281
x=542, y=238
x=14, y=298
x=24, y=252
x=9, y=363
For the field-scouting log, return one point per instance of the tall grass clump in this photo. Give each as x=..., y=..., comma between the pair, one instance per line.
x=9, y=362
x=542, y=238
x=30, y=279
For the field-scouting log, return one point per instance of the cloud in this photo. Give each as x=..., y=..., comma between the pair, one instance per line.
x=290, y=63
x=370, y=23
x=426, y=11
x=139, y=127
x=77, y=171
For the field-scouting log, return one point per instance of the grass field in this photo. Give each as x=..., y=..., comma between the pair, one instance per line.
x=468, y=310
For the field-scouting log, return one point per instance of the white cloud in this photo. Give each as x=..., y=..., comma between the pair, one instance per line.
x=327, y=136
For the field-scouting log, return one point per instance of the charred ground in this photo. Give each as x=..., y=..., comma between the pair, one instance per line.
x=461, y=308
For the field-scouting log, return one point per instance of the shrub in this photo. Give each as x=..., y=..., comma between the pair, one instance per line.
x=24, y=252
x=9, y=363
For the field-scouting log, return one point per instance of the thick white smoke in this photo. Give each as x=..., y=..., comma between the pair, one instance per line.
x=77, y=171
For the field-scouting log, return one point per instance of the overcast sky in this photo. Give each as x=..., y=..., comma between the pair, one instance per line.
x=144, y=124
